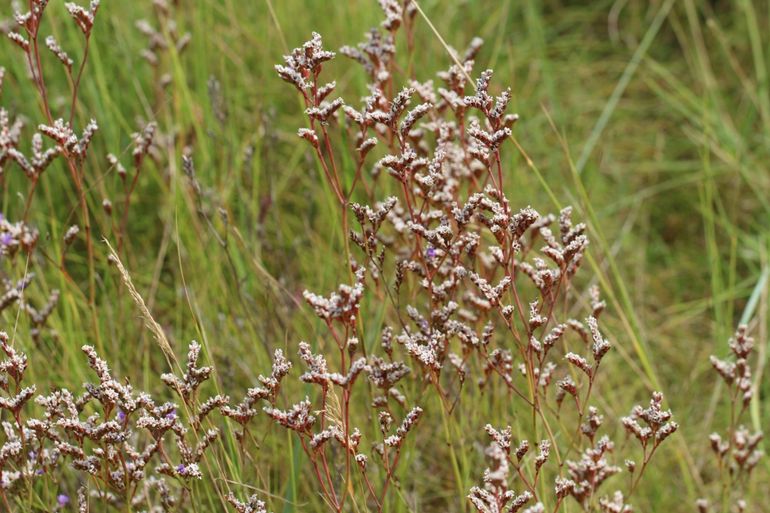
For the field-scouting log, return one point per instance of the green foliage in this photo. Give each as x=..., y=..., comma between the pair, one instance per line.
x=674, y=188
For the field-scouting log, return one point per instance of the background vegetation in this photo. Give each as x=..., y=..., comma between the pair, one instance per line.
x=652, y=118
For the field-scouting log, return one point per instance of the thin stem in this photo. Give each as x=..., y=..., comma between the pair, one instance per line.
x=76, y=84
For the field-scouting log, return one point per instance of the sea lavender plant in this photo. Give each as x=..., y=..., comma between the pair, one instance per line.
x=163, y=37
x=57, y=127
x=476, y=292
x=475, y=287
x=18, y=242
x=736, y=450
x=128, y=447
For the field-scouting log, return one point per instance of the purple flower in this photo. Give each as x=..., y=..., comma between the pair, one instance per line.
x=431, y=253
x=121, y=415
x=63, y=499
x=6, y=239
x=180, y=469
x=31, y=455
x=39, y=472
x=171, y=415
